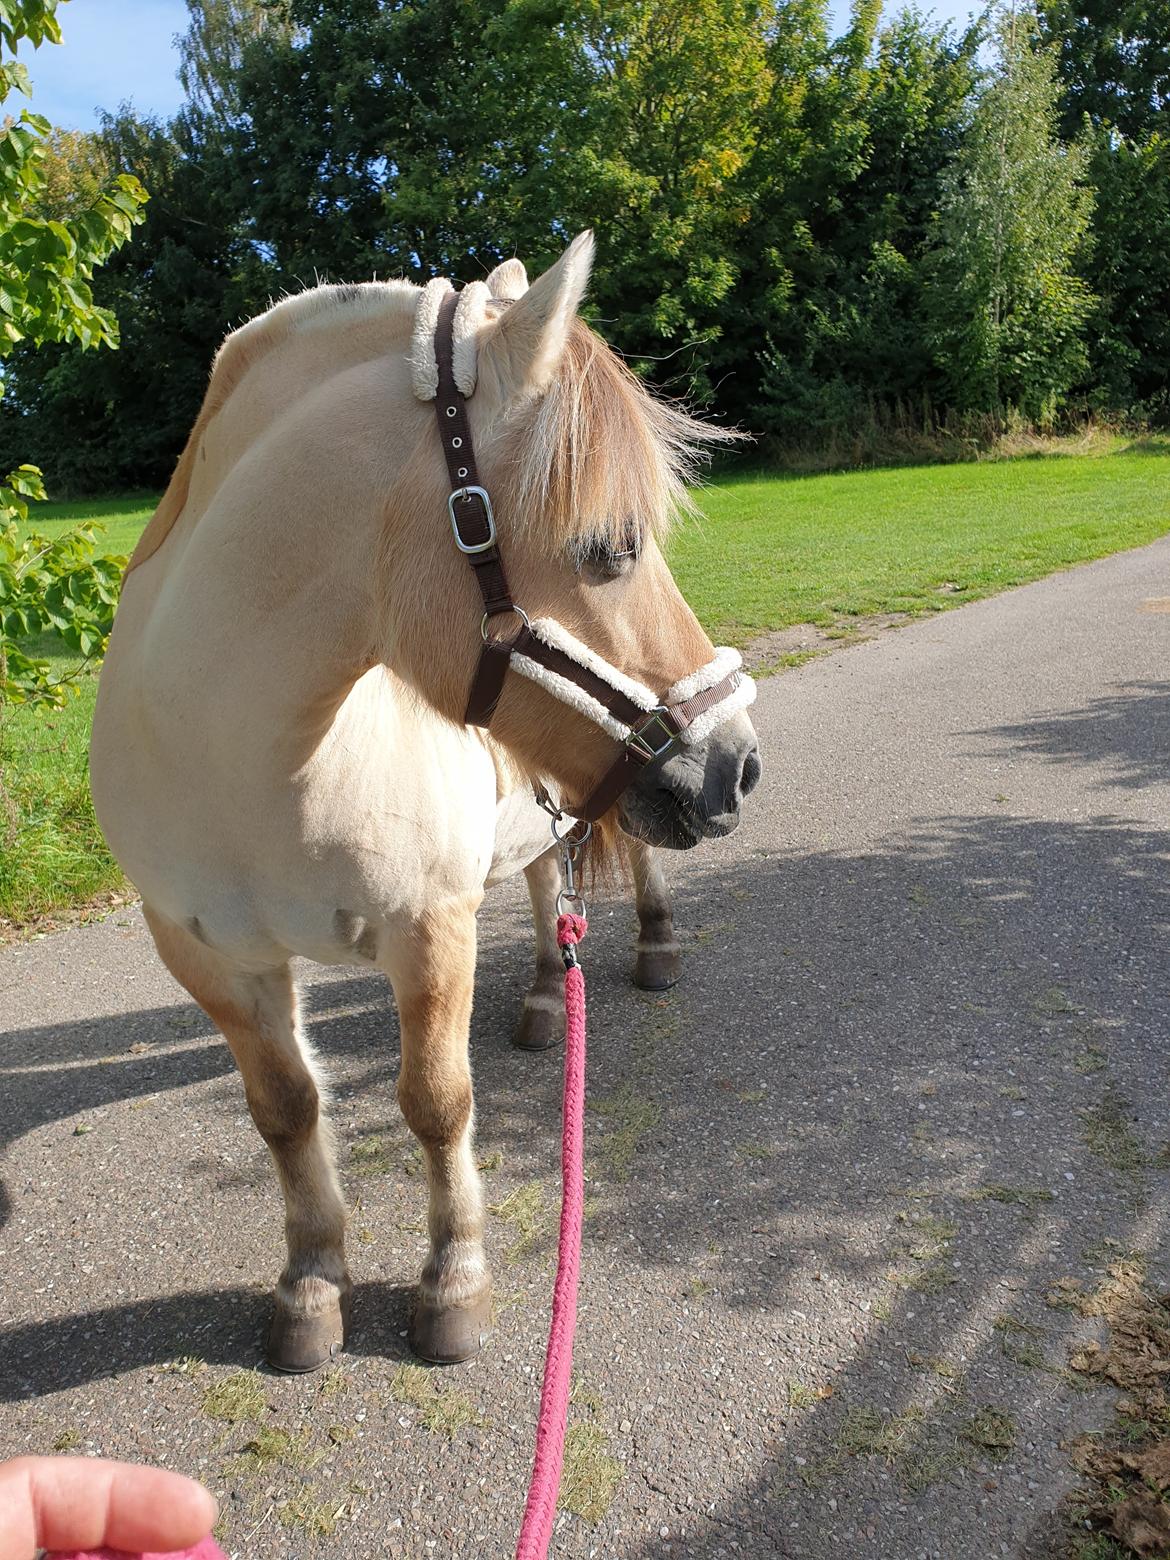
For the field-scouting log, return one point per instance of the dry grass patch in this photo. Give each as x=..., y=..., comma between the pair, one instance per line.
x=443, y=1412
x=1109, y=1136
x=526, y=1211
x=591, y=1476
x=236, y=1398
x=992, y=1432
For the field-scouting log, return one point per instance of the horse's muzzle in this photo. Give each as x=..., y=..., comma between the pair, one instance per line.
x=697, y=792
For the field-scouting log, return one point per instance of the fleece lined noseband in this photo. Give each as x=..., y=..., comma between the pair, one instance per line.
x=646, y=727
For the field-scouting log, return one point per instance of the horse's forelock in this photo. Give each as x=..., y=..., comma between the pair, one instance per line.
x=598, y=455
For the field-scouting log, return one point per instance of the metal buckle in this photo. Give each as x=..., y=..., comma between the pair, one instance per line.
x=463, y=494
x=641, y=744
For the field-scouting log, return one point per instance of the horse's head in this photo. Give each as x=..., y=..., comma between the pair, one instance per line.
x=585, y=469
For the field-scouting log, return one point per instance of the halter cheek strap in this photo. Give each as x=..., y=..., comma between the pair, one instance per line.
x=646, y=726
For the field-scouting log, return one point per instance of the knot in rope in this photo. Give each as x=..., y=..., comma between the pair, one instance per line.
x=570, y=930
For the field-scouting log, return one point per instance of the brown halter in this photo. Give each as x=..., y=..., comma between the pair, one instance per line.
x=654, y=733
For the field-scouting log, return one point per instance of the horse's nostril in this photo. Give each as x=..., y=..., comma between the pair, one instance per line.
x=749, y=775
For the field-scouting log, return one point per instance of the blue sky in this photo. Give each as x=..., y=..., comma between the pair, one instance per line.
x=119, y=50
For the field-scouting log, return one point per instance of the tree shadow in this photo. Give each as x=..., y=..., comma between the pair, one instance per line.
x=1124, y=735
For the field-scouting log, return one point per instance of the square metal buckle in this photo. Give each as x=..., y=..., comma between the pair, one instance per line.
x=643, y=744
x=463, y=494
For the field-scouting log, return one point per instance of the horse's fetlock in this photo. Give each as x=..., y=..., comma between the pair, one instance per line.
x=455, y=1274
x=312, y=1294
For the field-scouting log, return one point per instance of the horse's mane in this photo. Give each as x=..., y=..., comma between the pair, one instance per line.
x=314, y=308
x=598, y=457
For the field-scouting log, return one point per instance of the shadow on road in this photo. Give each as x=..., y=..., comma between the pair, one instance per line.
x=855, y=1135
x=1126, y=735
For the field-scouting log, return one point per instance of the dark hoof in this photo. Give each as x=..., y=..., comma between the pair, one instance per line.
x=540, y=1029
x=448, y=1334
x=657, y=971
x=297, y=1344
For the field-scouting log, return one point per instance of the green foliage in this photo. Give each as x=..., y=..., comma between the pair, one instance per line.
x=1128, y=267
x=812, y=235
x=53, y=587
x=853, y=167
x=676, y=107
x=1005, y=308
x=1114, y=60
x=46, y=263
x=110, y=421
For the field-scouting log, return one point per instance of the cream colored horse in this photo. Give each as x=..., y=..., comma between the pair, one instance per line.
x=279, y=760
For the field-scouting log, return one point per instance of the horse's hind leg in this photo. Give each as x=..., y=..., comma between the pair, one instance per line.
x=432, y=968
x=659, y=958
x=257, y=1014
x=542, y=1019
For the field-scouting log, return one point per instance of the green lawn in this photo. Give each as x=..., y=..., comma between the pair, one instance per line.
x=772, y=552
x=775, y=551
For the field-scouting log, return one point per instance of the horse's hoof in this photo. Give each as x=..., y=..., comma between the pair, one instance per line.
x=447, y=1335
x=297, y=1344
x=540, y=1028
x=658, y=971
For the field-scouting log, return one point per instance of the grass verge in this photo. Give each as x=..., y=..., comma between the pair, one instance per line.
x=773, y=552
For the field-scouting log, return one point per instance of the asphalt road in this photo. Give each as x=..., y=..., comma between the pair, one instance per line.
x=916, y=1073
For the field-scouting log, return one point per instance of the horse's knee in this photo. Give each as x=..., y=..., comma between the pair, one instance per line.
x=285, y=1106
x=436, y=1111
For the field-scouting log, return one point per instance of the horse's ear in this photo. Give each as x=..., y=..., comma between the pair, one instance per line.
x=523, y=350
x=508, y=280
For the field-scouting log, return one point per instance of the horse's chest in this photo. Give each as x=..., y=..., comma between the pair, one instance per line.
x=522, y=834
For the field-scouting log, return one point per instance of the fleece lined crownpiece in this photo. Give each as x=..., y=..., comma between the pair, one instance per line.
x=725, y=662
x=470, y=313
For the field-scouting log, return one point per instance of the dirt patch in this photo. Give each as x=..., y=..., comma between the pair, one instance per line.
x=96, y=909
x=1131, y=1500
x=781, y=648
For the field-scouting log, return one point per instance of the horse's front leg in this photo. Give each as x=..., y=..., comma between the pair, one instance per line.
x=257, y=1013
x=432, y=967
x=658, y=964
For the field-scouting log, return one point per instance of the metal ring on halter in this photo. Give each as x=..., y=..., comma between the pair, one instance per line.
x=565, y=840
x=519, y=611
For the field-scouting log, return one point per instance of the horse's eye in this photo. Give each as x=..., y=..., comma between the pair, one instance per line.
x=600, y=556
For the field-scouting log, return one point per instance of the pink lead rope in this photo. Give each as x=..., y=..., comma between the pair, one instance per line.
x=540, y=1512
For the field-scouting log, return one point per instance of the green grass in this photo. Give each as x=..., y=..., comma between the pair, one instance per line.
x=773, y=551
x=124, y=518
x=52, y=854
x=776, y=551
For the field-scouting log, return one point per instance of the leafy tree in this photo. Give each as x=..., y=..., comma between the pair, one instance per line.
x=107, y=421
x=676, y=110
x=1006, y=310
x=438, y=128
x=1128, y=267
x=211, y=51
x=1113, y=60
x=845, y=184
x=46, y=263
x=421, y=133
x=1114, y=64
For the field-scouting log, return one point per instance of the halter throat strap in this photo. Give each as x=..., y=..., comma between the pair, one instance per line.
x=647, y=728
